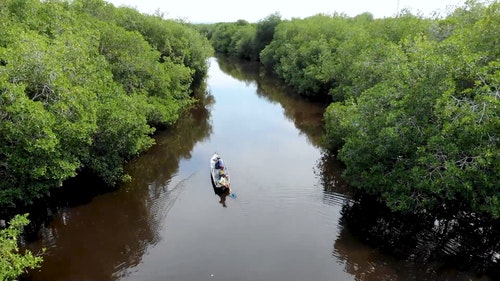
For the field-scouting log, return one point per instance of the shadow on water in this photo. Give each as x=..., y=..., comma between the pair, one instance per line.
x=429, y=247
x=369, y=263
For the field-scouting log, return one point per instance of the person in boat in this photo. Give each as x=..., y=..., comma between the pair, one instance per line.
x=223, y=180
x=219, y=164
x=213, y=161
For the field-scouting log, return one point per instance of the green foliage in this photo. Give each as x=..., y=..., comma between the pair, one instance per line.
x=122, y=133
x=222, y=37
x=177, y=43
x=340, y=122
x=264, y=32
x=81, y=85
x=242, y=39
x=399, y=28
x=13, y=263
x=423, y=133
x=27, y=140
x=375, y=59
x=303, y=52
x=243, y=45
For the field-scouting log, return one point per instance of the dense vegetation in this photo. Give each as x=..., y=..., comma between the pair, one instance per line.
x=241, y=39
x=424, y=133
x=12, y=262
x=415, y=101
x=83, y=85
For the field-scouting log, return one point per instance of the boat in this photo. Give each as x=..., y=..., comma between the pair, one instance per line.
x=217, y=172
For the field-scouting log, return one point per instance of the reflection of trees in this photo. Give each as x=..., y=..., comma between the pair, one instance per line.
x=453, y=240
x=94, y=241
x=360, y=260
x=241, y=70
x=367, y=263
x=90, y=242
x=306, y=115
x=329, y=170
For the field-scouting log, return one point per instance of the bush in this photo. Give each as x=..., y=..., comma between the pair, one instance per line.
x=13, y=263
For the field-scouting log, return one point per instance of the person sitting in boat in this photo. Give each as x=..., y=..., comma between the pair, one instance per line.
x=214, y=159
x=223, y=180
x=219, y=164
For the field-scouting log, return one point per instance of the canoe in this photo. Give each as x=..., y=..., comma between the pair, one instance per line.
x=216, y=172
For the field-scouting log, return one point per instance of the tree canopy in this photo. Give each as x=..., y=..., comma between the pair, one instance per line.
x=83, y=85
x=425, y=135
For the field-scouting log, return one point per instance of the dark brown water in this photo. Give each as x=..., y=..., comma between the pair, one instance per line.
x=168, y=224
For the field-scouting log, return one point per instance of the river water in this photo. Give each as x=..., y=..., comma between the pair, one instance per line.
x=169, y=224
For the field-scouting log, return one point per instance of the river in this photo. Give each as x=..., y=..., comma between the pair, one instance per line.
x=167, y=223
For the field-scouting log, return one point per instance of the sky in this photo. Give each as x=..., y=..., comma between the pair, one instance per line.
x=211, y=11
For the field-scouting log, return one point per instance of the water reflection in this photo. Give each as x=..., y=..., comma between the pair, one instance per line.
x=79, y=245
x=307, y=116
x=78, y=240
x=424, y=247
